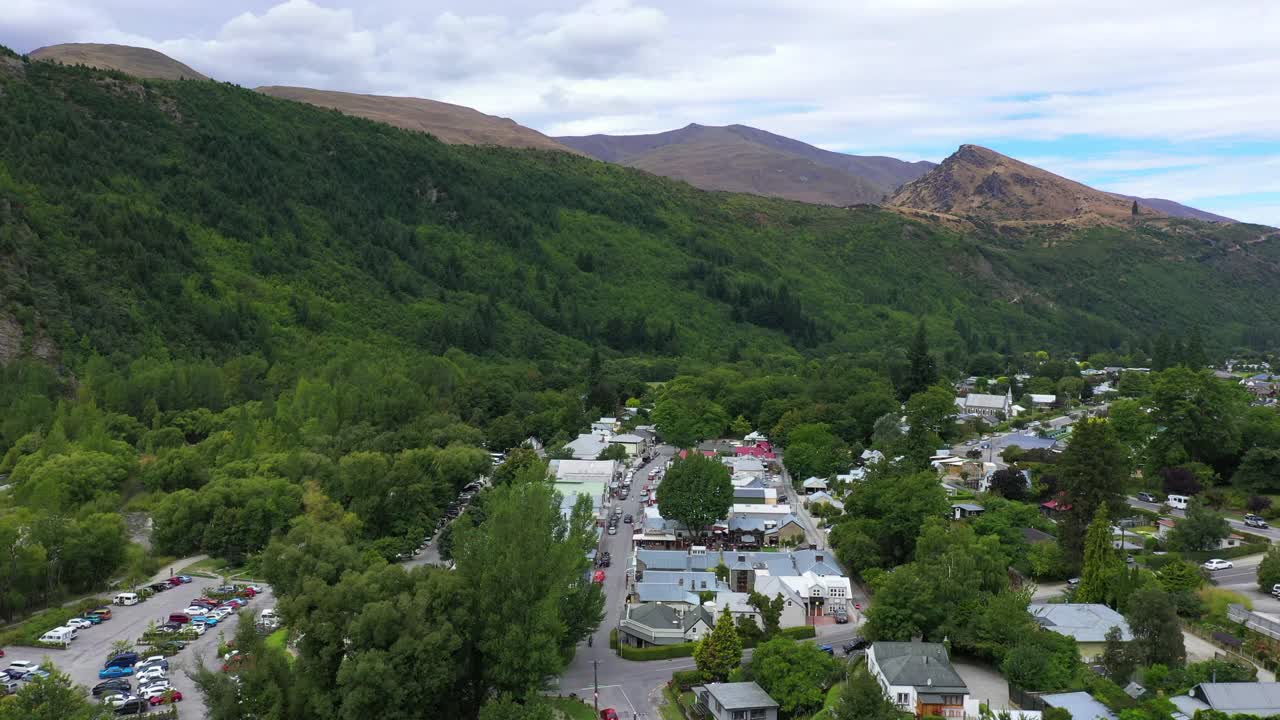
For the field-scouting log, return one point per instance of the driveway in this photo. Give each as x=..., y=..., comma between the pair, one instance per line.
x=985, y=683
x=85, y=657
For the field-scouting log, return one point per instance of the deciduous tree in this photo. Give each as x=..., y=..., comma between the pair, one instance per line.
x=1201, y=529
x=795, y=674
x=1157, y=636
x=697, y=491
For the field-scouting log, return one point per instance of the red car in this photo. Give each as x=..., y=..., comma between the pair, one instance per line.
x=598, y=577
x=180, y=618
x=608, y=714
x=162, y=699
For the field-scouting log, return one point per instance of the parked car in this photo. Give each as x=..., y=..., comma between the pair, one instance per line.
x=1217, y=564
x=842, y=616
x=156, y=660
x=115, y=671
x=164, y=696
x=1255, y=521
x=1275, y=591
x=133, y=706
x=81, y=623
x=608, y=714
x=103, y=612
x=854, y=645
x=159, y=587
x=1147, y=497
x=19, y=668
x=124, y=659
x=115, y=700
x=152, y=674
x=598, y=576
x=7, y=686
x=827, y=649
x=106, y=687
x=628, y=519
x=180, y=618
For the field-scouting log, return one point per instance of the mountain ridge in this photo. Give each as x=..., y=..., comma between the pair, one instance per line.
x=136, y=61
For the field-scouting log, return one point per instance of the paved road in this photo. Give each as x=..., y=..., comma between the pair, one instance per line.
x=1270, y=533
x=84, y=658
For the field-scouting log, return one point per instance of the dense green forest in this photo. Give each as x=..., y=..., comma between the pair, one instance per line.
x=290, y=337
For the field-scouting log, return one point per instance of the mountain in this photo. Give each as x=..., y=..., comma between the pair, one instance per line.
x=980, y=182
x=1178, y=210
x=453, y=124
x=202, y=220
x=136, y=61
x=738, y=158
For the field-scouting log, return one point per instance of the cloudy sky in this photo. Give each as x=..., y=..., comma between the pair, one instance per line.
x=1167, y=98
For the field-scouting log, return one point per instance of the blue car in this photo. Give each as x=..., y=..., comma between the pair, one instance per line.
x=207, y=620
x=114, y=672
x=184, y=578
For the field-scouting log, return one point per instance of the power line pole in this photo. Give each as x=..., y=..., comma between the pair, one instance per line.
x=595, y=681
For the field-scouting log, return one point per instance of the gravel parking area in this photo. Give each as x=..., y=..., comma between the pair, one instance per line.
x=89, y=651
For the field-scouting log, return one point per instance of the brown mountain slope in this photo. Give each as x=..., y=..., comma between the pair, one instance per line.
x=136, y=61
x=1178, y=210
x=738, y=158
x=453, y=124
x=976, y=181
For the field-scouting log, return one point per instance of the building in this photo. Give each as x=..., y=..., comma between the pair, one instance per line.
x=735, y=701
x=963, y=511
x=823, y=497
x=1042, y=402
x=813, y=485
x=649, y=624
x=605, y=425
x=1088, y=623
x=793, y=612
x=918, y=678
x=583, y=477
x=986, y=406
x=811, y=575
x=634, y=444
x=1081, y=705
x=1165, y=526
x=588, y=446
x=1260, y=699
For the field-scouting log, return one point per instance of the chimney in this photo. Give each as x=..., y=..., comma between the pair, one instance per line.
x=818, y=557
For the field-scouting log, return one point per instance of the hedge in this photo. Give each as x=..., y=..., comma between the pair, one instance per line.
x=1227, y=553
x=685, y=679
x=679, y=650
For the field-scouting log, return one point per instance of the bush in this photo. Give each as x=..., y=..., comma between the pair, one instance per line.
x=1200, y=556
x=685, y=679
x=1216, y=601
x=801, y=632
x=658, y=652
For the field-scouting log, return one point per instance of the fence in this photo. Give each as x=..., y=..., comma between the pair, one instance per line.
x=1025, y=699
x=1254, y=621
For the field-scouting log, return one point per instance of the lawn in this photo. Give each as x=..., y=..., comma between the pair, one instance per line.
x=572, y=709
x=671, y=708
x=833, y=696
x=277, y=641
x=213, y=567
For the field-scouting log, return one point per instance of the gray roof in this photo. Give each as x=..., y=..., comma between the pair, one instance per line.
x=968, y=507
x=750, y=492
x=1241, y=698
x=626, y=438
x=919, y=664
x=692, y=580
x=654, y=615
x=1081, y=705
x=740, y=695
x=665, y=592
x=796, y=562
x=980, y=400
x=747, y=524
x=1086, y=622
x=1032, y=535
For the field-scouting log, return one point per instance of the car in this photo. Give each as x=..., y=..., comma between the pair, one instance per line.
x=19, y=668
x=124, y=659
x=80, y=623
x=103, y=612
x=7, y=686
x=628, y=519
x=1073, y=582
x=115, y=671
x=159, y=587
x=159, y=660
x=1217, y=564
x=1147, y=497
x=842, y=617
x=180, y=618
x=195, y=610
x=608, y=714
x=115, y=700
x=107, y=687
x=1, y=652
x=855, y=645
x=133, y=706
x=1255, y=521
x=169, y=695
x=613, y=529
x=598, y=577
x=1275, y=591
x=827, y=649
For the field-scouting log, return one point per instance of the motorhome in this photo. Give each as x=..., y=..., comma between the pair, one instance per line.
x=126, y=599
x=59, y=636
x=1177, y=501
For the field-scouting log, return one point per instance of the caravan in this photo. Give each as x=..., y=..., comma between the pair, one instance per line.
x=127, y=598
x=59, y=636
x=1177, y=501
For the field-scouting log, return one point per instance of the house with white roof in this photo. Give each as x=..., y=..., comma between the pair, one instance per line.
x=813, y=485
x=986, y=406
x=1088, y=623
x=588, y=446
x=583, y=477
x=634, y=444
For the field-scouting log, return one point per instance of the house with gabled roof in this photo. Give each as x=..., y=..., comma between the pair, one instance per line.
x=918, y=678
x=649, y=624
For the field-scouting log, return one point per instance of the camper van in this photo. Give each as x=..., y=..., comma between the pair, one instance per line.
x=126, y=599
x=59, y=636
x=1177, y=501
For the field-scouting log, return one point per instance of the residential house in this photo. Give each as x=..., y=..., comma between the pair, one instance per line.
x=871, y=457
x=649, y=624
x=718, y=447
x=754, y=437
x=1165, y=526
x=648, y=432
x=1088, y=623
x=605, y=425
x=793, y=607
x=986, y=406
x=1042, y=402
x=735, y=701
x=745, y=465
x=813, y=485
x=964, y=511
x=750, y=495
x=918, y=678
x=762, y=450
x=1080, y=705
x=855, y=475
x=1054, y=508
x=588, y=446
x=823, y=497
x=672, y=595
x=1037, y=537
x=634, y=444
x=1259, y=699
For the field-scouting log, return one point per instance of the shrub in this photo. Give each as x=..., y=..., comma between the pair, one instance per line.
x=1216, y=600
x=801, y=632
x=658, y=652
x=685, y=679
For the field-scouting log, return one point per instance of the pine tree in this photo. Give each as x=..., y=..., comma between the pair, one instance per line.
x=1161, y=354
x=720, y=652
x=1102, y=563
x=1194, y=356
x=923, y=370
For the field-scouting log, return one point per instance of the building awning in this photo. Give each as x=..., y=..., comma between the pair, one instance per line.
x=748, y=538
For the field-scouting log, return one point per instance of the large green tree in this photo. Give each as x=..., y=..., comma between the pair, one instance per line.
x=1157, y=634
x=883, y=517
x=1200, y=529
x=1198, y=417
x=696, y=491
x=51, y=698
x=1092, y=473
x=863, y=699
x=922, y=368
x=720, y=652
x=795, y=674
x=1269, y=569
x=1102, y=563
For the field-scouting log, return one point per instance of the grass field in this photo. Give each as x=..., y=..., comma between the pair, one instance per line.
x=572, y=709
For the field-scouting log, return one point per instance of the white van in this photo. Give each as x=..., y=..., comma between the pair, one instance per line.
x=125, y=599
x=1177, y=501
x=59, y=636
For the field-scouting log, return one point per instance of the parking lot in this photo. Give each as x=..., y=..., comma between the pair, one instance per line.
x=90, y=650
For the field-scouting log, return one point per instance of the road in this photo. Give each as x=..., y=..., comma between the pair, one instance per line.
x=1236, y=524
x=85, y=657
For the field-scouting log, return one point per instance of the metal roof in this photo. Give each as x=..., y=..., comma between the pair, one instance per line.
x=740, y=695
